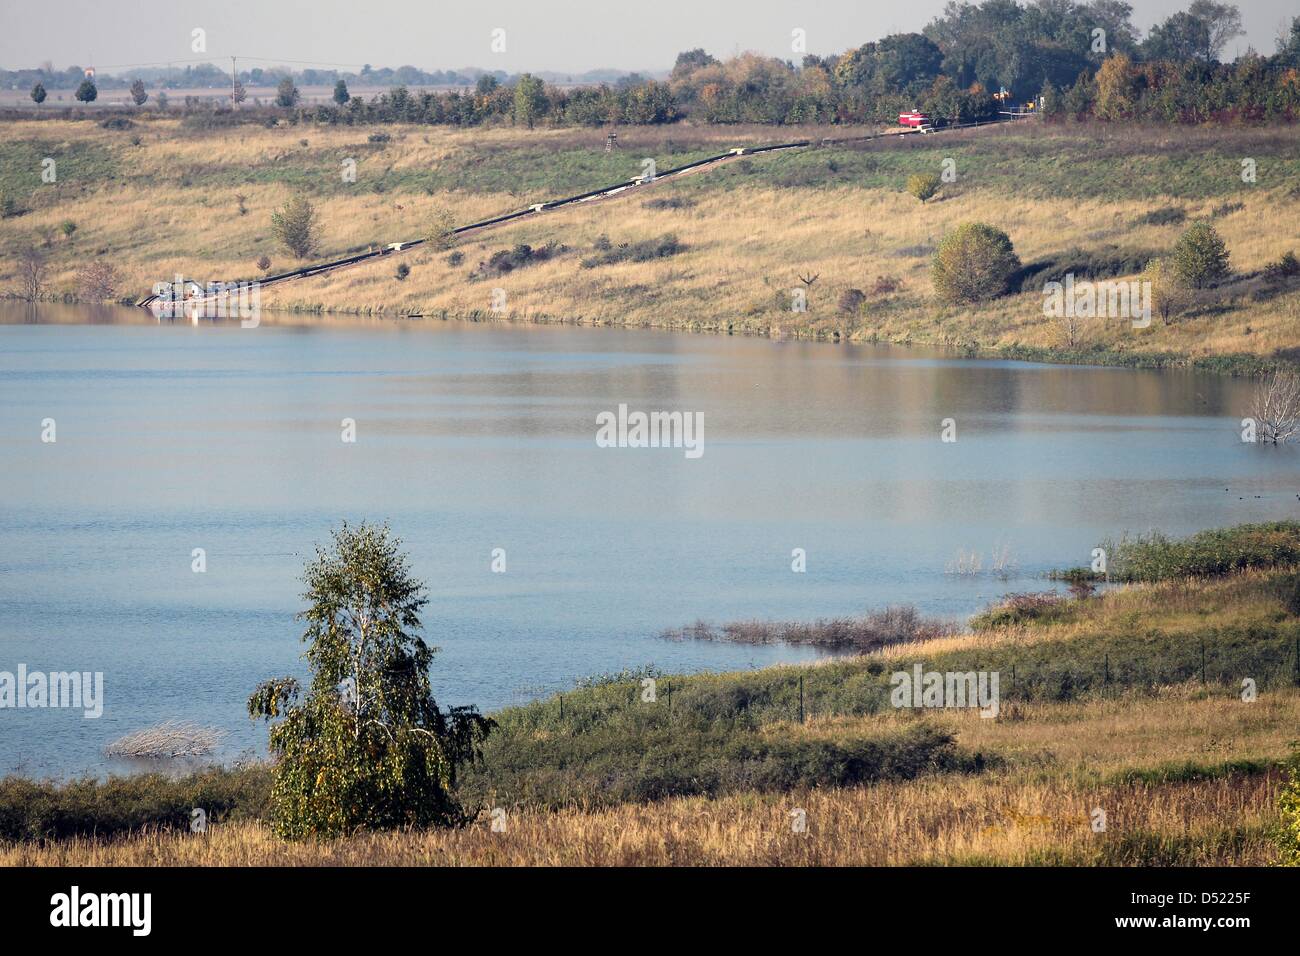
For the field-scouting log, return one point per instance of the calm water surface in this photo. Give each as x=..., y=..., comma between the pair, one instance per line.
x=474, y=437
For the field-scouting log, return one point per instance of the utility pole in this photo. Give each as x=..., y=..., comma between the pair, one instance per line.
x=234, y=84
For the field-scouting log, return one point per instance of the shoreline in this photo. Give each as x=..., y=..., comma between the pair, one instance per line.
x=1233, y=365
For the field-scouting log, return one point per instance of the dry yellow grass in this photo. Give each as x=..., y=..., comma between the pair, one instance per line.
x=1011, y=821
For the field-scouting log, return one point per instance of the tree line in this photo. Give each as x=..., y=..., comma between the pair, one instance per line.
x=1078, y=58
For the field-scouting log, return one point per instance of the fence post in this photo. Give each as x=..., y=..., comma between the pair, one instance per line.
x=561, y=707
x=801, y=698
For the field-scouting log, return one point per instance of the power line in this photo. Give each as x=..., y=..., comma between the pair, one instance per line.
x=211, y=61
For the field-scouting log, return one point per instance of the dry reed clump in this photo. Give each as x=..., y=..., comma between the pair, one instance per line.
x=170, y=739
x=894, y=625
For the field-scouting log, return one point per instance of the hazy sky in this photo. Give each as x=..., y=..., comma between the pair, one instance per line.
x=561, y=35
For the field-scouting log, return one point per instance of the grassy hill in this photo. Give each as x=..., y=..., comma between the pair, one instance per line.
x=165, y=197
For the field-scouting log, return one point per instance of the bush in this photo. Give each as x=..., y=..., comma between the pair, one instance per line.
x=668, y=202
x=120, y=805
x=296, y=227
x=1201, y=258
x=456, y=258
x=886, y=285
x=973, y=263
x=1288, y=586
x=923, y=185
x=851, y=301
x=1164, y=216
x=604, y=765
x=1154, y=557
x=1104, y=262
x=440, y=232
x=1277, y=273
x=644, y=251
x=1020, y=609
x=264, y=263
x=68, y=228
x=379, y=138
x=521, y=255
x=403, y=270
x=116, y=122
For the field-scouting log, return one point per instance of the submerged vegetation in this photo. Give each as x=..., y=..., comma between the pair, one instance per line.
x=893, y=625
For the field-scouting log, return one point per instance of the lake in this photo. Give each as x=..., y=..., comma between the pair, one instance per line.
x=472, y=437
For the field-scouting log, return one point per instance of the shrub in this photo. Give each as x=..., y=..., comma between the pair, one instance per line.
x=456, y=258
x=1200, y=258
x=9, y=207
x=1277, y=273
x=886, y=285
x=440, y=232
x=68, y=228
x=1168, y=294
x=98, y=280
x=1103, y=262
x=508, y=260
x=923, y=185
x=601, y=766
x=368, y=748
x=403, y=270
x=1288, y=586
x=379, y=138
x=644, y=251
x=296, y=227
x=116, y=122
x=851, y=301
x=1154, y=557
x=31, y=273
x=669, y=202
x=973, y=263
x=121, y=805
x=1020, y=609
x=1164, y=216
x=264, y=262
